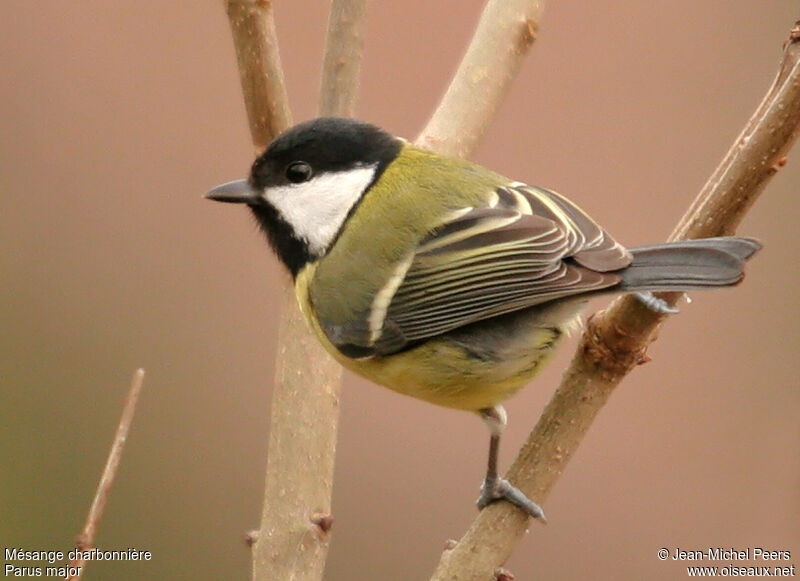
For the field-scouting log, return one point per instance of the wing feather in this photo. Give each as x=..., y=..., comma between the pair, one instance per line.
x=528, y=247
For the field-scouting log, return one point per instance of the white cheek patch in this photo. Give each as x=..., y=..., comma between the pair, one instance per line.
x=316, y=209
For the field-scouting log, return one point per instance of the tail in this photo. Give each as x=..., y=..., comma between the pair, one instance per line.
x=688, y=264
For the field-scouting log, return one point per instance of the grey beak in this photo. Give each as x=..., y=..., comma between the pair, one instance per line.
x=235, y=192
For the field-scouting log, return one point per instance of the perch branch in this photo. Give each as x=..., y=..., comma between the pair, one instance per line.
x=505, y=32
x=341, y=66
x=85, y=540
x=615, y=341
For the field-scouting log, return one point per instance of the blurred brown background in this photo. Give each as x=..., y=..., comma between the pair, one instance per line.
x=116, y=117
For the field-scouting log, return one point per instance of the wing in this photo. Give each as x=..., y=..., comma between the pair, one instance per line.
x=527, y=247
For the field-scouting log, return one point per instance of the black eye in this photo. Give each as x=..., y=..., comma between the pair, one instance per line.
x=298, y=172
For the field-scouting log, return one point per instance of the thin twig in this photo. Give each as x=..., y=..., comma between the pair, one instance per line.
x=616, y=340
x=341, y=67
x=253, y=30
x=85, y=540
x=505, y=32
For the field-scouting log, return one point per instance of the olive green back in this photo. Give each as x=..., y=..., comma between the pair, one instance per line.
x=404, y=206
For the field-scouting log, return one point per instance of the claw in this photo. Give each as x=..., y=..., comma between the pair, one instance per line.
x=501, y=489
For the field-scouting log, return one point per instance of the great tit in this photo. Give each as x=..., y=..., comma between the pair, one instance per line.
x=439, y=278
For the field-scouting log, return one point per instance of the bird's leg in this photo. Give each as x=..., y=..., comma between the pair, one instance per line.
x=496, y=488
x=655, y=304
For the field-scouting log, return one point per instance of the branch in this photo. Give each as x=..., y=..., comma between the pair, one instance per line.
x=505, y=32
x=260, y=72
x=292, y=542
x=616, y=340
x=85, y=540
x=341, y=65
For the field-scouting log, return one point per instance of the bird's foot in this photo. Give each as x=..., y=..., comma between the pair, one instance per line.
x=656, y=304
x=501, y=489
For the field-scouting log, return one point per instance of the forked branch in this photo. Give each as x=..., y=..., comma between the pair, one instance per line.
x=292, y=541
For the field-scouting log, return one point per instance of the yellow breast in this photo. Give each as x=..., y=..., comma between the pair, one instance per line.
x=441, y=371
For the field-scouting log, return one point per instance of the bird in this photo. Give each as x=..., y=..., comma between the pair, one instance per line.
x=441, y=279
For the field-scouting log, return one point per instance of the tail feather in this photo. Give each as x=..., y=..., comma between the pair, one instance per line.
x=688, y=264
